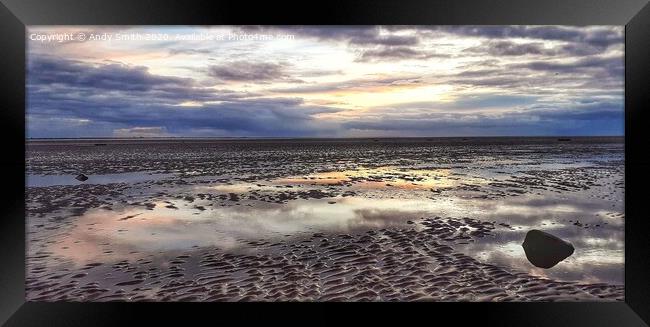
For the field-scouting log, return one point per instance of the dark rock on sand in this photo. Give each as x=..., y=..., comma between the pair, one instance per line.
x=81, y=177
x=545, y=250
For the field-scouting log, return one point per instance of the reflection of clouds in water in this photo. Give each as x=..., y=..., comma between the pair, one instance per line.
x=529, y=210
x=598, y=256
x=83, y=246
x=599, y=251
x=383, y=218
x=612, y=243
x=569, y=269
x=606, y=235
x=387, y=177
x=167, y=229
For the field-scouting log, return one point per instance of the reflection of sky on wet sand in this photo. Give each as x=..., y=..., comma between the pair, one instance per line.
x=598, y=256
x=363, y=179
x=375, y=178
x=382, y=197
x=599, y=248
x=229, y=227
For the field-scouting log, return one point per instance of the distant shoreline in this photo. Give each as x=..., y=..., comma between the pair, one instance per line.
x=477, y=140
x=255, y=138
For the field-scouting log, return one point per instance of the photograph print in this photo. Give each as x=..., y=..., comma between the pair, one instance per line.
x=325, y=163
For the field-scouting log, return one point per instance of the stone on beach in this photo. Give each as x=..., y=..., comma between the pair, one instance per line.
x=81, y=177
x=545, y=250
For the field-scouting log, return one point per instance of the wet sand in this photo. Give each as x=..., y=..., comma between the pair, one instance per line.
x=356, y=220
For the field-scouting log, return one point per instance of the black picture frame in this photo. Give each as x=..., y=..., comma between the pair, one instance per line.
x=634, y=14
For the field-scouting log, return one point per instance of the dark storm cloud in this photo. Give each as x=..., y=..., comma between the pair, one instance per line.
x=256, y=117
x=250, y=115
x=61, y=77
x=88, y=97
x=109, y=76
x=248, y=71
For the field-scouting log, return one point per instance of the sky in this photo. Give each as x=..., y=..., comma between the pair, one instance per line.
x=324, y=81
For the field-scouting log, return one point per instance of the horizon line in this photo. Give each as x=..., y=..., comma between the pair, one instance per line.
x=307, y=137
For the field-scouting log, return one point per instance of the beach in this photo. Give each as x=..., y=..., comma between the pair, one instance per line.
x=385, y=219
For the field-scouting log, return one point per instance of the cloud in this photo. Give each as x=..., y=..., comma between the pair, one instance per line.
x=246, y=71
x=508, y=48
x=66, y=81
x=485, y=80
x=606, y=66
x=483, y=102
x=108, y=76
x=353, y=35
x=592, y=117
x=88, y=97
x=358, y=84
x=259, y=117
x=396, y=53
x=583, y=111
x=541, y=76
x=390, y=42
x=189, y=51
x=601, y=37
x=375, y=43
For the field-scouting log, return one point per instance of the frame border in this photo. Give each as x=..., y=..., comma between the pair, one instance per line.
x=634, y=14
